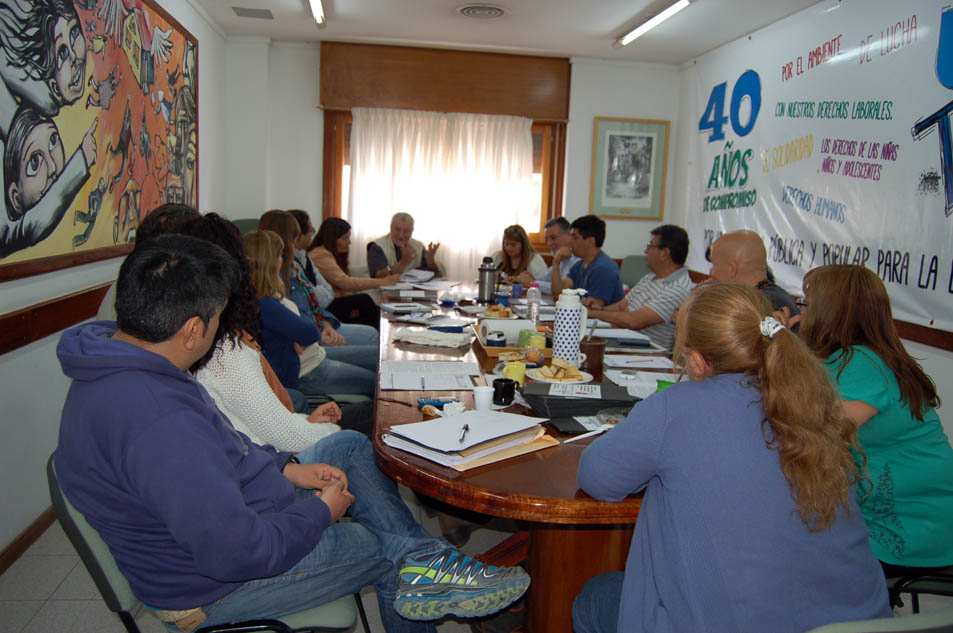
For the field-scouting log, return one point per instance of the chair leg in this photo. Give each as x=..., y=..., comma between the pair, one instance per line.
x=915, y=601
x=128, y=621
x=360, y=612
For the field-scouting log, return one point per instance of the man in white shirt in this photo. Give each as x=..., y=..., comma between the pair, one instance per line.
x=649, y=305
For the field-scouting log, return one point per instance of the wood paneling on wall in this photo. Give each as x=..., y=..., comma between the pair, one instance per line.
x=362, y=75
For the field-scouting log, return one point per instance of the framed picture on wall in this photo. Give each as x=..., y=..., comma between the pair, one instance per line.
x=629, y=157
x=98, y=125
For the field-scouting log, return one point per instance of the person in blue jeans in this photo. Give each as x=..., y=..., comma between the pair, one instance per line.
x=288, y=339
x=207, y=526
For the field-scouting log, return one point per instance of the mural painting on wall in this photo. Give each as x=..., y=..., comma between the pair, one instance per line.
x=98, y=124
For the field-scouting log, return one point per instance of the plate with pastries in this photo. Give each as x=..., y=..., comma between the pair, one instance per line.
x=559, y=371
x=498, y=312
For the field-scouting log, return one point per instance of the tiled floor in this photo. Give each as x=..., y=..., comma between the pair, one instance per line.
x=48, y=591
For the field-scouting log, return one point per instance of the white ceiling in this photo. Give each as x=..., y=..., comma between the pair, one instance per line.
x=585, y=28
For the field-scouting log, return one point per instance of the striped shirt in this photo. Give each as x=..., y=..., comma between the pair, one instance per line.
x=662, y=296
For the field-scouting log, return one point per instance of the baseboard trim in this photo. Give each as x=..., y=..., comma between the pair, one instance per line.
x=25, y=539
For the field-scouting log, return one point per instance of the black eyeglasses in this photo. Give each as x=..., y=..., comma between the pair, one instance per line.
x=651, y=245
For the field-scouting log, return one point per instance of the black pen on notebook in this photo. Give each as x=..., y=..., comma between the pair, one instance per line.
x=463, y=432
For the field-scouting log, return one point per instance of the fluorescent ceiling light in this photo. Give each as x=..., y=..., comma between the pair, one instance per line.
x=317, y=11
x=648, y=25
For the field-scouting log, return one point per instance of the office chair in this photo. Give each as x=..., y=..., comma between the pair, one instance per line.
x=939, y=621
x=339, y=615
x=633, y=268
x=938, y=583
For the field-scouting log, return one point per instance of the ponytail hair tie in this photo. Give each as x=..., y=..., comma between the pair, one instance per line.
x=770, y=327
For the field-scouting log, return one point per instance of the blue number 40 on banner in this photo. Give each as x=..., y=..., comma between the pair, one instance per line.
x=748, y=85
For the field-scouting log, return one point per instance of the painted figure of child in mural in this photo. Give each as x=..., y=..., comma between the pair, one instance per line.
x=42, y=69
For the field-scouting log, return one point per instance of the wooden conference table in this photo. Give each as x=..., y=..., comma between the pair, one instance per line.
x=571, y=536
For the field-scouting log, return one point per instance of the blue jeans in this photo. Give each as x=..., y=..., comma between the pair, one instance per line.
x=596, y=608
x=349, y=556
x=364, y=356
x=333, y=376
x=298, y=401
x=356, y=334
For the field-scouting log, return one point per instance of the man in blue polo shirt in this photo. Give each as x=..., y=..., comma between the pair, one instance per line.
x=596, y=273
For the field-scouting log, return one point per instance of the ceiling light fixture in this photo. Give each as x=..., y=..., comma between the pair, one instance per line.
x=317, y=11
x=648, y=25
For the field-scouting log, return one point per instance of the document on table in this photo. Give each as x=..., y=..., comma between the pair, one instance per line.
x=397, y=286
x=411, y=375
x=436, y=285
x=620, y=333
x=626, y=361
x=642, y=384
x=575, y=391
x=412, y=293
x=471, y=439
x=417, y=275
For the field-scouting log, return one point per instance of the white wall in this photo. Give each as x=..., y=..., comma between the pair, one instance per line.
x=624, y=90
x=32, y=387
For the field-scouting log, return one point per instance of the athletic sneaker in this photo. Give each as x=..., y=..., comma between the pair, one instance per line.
x=449, y=582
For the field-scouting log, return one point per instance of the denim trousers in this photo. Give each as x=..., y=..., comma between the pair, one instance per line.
x=350, y=555
x=333, y=376
x=363, y=356
x=596, y=608
x=356, y=334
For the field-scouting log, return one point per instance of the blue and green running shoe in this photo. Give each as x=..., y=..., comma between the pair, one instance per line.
x=448, y=582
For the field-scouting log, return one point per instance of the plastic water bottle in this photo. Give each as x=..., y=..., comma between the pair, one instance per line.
x=533, y=297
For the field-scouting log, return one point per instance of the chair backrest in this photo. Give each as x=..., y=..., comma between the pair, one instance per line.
x=246, y=225
x=92, y=550
x=634, y=267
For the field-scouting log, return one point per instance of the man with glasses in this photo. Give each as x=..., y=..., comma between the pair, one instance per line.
x=649, y=305
x=741, y=256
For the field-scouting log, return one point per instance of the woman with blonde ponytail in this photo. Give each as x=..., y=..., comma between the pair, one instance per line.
x=749, y=521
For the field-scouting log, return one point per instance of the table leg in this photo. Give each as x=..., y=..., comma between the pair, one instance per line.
x=561, y=559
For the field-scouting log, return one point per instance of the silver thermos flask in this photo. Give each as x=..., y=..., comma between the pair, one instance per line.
x=487, y=280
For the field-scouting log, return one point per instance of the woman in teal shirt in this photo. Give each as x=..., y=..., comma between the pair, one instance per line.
x=907, y=498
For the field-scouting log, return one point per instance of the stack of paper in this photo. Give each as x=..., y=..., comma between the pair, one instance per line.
x=414, y=375
x=640, y=384
x=471, y=439
x=405, y=308
x=417, y=275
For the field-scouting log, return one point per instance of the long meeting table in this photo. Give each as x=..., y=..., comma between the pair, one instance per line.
x=570, y=536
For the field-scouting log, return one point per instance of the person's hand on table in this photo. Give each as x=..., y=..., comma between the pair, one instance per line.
x=390, y=280
x=328, y=412
x=592, y=303
x=330, y=337
x=785, y=318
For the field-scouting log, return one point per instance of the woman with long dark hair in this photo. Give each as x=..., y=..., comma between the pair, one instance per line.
x=329, y=253
x=908, y=500
x=749, y=521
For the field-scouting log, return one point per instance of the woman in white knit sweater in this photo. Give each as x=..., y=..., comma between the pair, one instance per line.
x=236, y=376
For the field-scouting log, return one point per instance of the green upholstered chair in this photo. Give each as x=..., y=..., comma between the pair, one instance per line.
x=339, y=615
x=246, y=224
x=939, y=621
x=633, y=268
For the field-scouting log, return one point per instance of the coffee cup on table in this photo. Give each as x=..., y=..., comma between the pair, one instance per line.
x=482, y=397
x=504, y=390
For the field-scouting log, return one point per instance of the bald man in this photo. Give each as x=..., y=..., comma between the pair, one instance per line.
x=741, y=256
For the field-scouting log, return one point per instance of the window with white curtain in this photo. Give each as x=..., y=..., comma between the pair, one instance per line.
x=464, y=178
